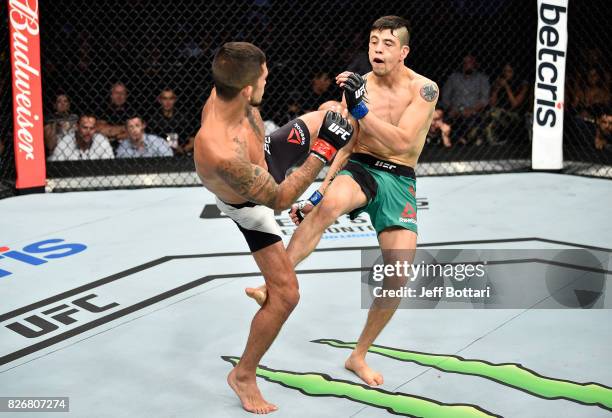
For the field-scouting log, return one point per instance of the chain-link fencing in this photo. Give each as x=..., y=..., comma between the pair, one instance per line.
x=114, y=60
x=7, y=162
x=588, y=91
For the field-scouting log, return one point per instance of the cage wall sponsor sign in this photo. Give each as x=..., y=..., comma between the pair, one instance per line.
x=27, y=94
x=547, y=147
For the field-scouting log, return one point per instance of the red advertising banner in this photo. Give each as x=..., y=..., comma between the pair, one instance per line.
x=27, y=94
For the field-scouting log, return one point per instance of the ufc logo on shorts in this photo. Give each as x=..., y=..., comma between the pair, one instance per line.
x=334, y=128
x=267, y=145
x=360, y=92
x=384, y=165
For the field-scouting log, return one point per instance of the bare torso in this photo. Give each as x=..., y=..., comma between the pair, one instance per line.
x=217, y=139
x=389, y=103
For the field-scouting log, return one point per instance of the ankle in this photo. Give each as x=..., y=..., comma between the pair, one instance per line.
x=245, y=376
x=357, y=356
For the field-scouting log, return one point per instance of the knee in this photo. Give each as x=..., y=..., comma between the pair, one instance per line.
x=291, y=298
x=329, y=209
x=288, y=298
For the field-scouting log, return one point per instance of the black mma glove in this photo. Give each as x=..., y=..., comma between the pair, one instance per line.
x=335, y=132
x=355, y=94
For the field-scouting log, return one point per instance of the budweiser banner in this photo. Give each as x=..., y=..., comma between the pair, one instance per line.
x=547, y=147
x=27, y=96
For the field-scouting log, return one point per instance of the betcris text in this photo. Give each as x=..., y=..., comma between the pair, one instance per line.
x=36, y=254
x=551, y=62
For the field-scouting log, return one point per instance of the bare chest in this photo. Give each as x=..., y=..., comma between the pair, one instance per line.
x=389, y=104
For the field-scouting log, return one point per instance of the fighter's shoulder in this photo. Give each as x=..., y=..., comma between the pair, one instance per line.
x=427, y=89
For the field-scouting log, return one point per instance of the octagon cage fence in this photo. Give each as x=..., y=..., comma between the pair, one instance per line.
x=117, y=59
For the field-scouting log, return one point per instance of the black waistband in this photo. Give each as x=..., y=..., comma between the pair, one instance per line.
x=240, y=205
x=378, y=164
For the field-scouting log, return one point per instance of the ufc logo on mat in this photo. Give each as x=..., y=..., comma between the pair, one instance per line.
x=339, y=131
x=46, y=322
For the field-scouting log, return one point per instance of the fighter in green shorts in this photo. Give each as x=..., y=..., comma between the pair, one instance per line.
x=392, y=109
x=389, y=189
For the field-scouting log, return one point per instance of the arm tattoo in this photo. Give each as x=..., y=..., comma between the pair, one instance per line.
x=249, y=181
x=257, y=185
x=429, y=92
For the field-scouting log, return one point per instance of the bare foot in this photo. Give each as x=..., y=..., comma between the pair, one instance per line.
x=358, y=366
x=260, y=294
x=249, y=395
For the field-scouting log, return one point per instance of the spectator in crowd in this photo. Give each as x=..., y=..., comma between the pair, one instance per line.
x=319, y=93
x=61, y=123
x=505, y=118
x=112, y=116
x=439, y=131
x=292, y=109
x=172, y=124
x=83, y=143
x=141, y=144
x=603, y=130
x=591, y=93
x=465, y=96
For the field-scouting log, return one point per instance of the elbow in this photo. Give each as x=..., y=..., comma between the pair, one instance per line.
x=281, y=203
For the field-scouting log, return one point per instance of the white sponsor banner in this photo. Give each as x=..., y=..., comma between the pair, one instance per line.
x=547, y=147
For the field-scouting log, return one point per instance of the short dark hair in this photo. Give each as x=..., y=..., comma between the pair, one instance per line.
x=393, y=23
x=235, y=66
x=87, y=114
x=135, y=116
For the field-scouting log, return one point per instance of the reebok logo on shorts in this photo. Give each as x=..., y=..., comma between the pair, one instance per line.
x=296, y=136
x=408, y=215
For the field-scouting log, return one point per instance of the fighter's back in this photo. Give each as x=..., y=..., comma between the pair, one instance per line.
x=218, y=141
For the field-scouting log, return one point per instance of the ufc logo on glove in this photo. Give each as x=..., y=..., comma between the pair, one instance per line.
x=360, y=92
x=340, y=131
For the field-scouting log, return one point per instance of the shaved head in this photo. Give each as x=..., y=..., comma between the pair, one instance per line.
x=397, y=25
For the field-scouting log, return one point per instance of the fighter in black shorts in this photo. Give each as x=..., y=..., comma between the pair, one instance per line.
x=232, y=157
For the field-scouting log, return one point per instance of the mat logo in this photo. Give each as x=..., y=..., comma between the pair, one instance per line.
x=45, y=250
x=47, y=321
x=512, y=375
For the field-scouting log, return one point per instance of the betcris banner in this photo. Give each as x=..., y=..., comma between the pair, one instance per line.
x=547, y=147
x=36, y=254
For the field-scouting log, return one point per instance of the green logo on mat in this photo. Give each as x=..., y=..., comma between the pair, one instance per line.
x=508, y=374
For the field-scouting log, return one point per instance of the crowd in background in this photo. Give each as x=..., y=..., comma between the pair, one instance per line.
x=140, y=75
